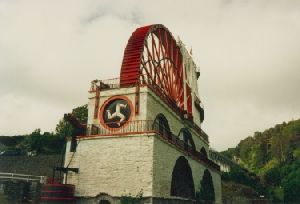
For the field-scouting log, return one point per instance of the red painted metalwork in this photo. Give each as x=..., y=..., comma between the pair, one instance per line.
x=153, y=58
x=57, y=193
x=110, y=100
x=142, y=127
x=189, y=99
x=132, y=127
x=97, y=102
x=137, y=99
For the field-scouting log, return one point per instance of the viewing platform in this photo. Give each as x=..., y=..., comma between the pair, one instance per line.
x=142, y=127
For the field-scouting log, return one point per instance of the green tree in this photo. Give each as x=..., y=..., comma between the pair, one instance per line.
x=272, y=176
x=64, y=128
x=46, y=143
x=259, y=156
x=33, y=142
x=291, y=185
x=275, y=155
x=81, y=113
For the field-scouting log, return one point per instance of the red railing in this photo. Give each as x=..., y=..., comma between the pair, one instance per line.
x=149, y=126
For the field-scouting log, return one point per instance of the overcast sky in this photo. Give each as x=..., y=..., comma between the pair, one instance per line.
x=248, y=52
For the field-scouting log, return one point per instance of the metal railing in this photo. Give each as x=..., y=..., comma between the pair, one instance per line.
x=188, y=149
x=136, y=126
x=149, y=126
x=109, y=83
x=115, y=83
x=24, y=177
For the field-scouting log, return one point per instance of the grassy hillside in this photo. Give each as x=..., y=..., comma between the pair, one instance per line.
x=274, y=155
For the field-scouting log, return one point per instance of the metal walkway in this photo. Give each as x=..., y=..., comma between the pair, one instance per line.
x=23, y=177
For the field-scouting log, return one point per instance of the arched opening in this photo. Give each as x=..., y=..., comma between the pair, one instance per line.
x=104, y=198
x=161, y=125
x=187, y=138
x=104, y=202
x=182, y=184
x=203, y=152
x=207, y=191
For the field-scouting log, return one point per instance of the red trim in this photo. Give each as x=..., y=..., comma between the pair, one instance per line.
x=59, y=192
x=115, y=134
x=100, y=115
x=59, y=184
x=96, y=108
x=192, y=153
x=170, y=140
x=189, y=99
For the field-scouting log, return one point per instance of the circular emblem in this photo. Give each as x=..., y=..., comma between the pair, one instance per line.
x=116, y=112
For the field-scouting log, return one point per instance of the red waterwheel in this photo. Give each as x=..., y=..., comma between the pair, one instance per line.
x=153, y=58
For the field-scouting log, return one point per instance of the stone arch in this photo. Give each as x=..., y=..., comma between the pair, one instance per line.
x=187, y=137
x=182, y=184
x=161, y=125
x=207, y=191
x=104, y=202
x=104, y=198
x=203, y=152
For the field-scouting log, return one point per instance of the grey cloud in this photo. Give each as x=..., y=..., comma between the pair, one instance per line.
x=248, y=52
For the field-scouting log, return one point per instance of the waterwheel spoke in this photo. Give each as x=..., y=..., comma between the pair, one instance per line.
x=159, y=63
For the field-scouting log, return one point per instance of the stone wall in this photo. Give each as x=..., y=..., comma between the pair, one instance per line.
x=144, y=200
x=165, y=157
x=190, y=69
x=126, y=165
x=150, y=106
x=123, y=164
x=41, y=165
x=112, y=165
x=128, y=92
x=156, y=106
x=18, y=191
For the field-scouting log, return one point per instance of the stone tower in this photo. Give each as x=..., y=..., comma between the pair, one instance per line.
x=144, y=136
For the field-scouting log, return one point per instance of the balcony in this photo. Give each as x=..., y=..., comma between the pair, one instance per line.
x=114, y=83
x=131, y=127
x=149, y=126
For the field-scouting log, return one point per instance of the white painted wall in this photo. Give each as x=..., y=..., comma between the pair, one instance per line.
x=119, y=165
x=164, y=159
x=112, y=165
x=156, y=106
x=130, y=164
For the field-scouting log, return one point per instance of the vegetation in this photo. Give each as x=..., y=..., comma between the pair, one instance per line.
x=130, y=199
x=243, y=177
x=64, y=128
x=274, y=155
x=44, y=143
x=270, y=159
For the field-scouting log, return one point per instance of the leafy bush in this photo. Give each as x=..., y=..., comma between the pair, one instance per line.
x=130, y=199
